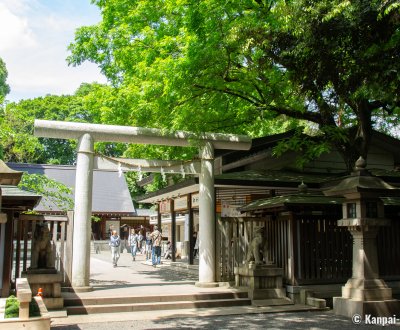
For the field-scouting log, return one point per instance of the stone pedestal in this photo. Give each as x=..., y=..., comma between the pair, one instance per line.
x=363, y=214
x=50, y=281
x=365, y=293
x=263, y=281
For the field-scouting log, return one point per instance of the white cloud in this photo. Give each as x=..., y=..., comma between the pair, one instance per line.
x=14, y=31
x=37, y=34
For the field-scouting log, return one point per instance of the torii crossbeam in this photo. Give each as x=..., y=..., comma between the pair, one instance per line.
x=87, y=134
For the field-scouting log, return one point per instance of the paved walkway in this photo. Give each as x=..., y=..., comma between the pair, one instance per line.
x=270, y=321
x=134, y=278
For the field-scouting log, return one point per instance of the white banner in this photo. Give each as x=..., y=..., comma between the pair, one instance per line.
x=229, y=211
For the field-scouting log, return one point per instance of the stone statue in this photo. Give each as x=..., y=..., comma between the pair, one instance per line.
x=256, y=247
x=42, y=251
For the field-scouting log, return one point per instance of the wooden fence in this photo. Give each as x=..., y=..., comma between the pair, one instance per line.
x=388, y=243
x=235, y=234
x=60, y=228
x=309, y=250
x=324, y=251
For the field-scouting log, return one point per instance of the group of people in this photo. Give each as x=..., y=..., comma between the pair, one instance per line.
x=150, y=245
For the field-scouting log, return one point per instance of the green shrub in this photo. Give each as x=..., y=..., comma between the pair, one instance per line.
x=34, y=308
x=12, y=307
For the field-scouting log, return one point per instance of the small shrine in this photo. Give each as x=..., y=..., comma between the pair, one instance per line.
x=42, y=274
x=363, y=215
x=13, y=201
x=261, y=277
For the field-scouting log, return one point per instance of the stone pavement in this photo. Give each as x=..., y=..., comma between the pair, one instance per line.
x=296, y=321
x=140, y=279
x=136, y=278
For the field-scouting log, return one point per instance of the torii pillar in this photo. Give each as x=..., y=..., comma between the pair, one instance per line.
x=87, y=134
x=206, y=218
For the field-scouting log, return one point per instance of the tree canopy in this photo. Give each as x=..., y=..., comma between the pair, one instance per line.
x=237, y=66
x=16, y=127
x=4, y=88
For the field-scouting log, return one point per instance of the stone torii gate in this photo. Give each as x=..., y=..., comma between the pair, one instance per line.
x=87, y=134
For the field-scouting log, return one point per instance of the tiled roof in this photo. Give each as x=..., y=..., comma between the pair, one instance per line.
x=110, y=191
x=301, y=198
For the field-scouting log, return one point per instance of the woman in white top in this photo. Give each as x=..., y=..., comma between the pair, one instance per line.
x=133, y=243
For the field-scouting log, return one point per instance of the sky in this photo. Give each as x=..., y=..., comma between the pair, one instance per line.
x=34, y=36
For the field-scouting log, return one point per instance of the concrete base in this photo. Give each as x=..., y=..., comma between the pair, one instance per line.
x=206, y=284
x=272, y=302
x=262, y=281
x=259, y=294
x=54, y=303
x=50, y=283
x=41, y=271
x=316, y=302
x=350, y=307
x=367, y=290
x=82, y=288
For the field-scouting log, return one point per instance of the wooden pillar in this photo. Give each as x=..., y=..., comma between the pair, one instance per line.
x=25, y=256
x=68, y=247
x=62, y=249
x=292, y=244
x=191, y=240
x=173, y=230
x=8, y=253
x=159, y=218
x=18, y=248
x=54, y=229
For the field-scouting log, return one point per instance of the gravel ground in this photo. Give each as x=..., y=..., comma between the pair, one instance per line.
x=134, y=274
x=303, y=320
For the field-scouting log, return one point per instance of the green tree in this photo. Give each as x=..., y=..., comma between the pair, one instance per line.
x=4, y=88
x=55, y=193
x=236, y=66
x=16, y=127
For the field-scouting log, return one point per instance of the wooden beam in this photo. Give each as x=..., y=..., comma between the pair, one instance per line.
x=42, y=217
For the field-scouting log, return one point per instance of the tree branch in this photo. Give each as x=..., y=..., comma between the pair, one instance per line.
x=307, y=115
x=247, y=98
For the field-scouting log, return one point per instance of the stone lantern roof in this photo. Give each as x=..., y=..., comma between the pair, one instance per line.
x=8, y=176
x=360, y=182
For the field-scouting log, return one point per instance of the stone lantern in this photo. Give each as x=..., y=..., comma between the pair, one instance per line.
x=363, y=214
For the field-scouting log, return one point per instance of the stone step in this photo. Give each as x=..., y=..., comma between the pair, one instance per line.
x=70, y=301
x=150, y=306
x=272, y=302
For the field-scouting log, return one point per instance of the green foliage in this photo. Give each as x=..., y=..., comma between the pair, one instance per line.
x=16, y=127
x=34, y=310
x=54, y=192
x=4, y=88
x=239, y=66
x=95, y=218
x=11, y=307
x=153, y=55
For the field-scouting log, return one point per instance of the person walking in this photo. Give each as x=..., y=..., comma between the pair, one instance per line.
x=156, y=239
x=114, y=243
x=196, y=247
x=133, y=243
x=168, y=252
x=148, y=246
x=140, y=241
